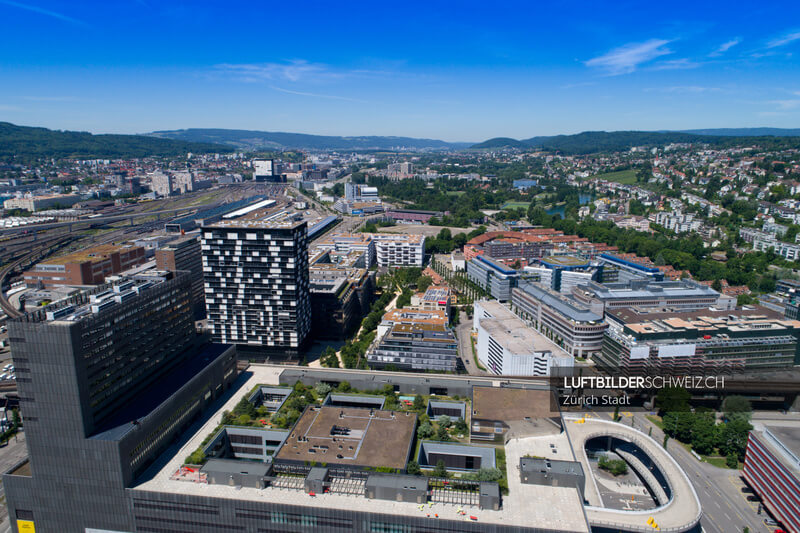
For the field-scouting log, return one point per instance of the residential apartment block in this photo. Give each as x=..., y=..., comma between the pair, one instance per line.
x=184, y=254
x=256, y=283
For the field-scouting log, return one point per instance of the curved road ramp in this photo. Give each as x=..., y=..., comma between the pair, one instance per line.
x=678, y=507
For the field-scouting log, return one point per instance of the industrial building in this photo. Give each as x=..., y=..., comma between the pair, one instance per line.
x=506, y=346
x=647, y=341
x=255, y=268
x=565, y=321
x=89, y=266
x=46, y=201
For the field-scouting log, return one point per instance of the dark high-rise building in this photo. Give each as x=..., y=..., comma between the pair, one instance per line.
x=106, y=382
x=184, y=254
x=256, y=283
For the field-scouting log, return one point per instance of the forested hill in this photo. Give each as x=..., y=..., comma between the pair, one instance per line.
x=603, y=141
x=272, y=140
x=23, y=142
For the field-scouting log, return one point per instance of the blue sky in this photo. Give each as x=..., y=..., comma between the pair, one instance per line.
x=459, y=71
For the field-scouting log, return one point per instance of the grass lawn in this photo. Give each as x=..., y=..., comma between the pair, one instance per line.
x=655, y=420
x=515, y=205
x=475, y=354
x=455, y=193
x=625, y=177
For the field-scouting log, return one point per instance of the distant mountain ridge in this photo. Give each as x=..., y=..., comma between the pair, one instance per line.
x=605, y=141
x=276, y=140
x=31, y=142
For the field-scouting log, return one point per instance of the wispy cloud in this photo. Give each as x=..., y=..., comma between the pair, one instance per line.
x=676, y=64
x=696, y=89
x=786, y=105
x=627, y=58
x=316, y=95
x=50, y=98
x=579, y=84
x=43, y=11
x=783, y=41
x=724, y=47
x=293, y=71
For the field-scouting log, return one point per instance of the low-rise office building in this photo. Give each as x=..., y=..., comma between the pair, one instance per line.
x=642, y=341
x=493, y=277
x=407, y=315
x=506, y=346
x=681, y=295
x=45, y=201
x=565, y=321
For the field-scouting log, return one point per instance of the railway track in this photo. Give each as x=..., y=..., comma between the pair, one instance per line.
x=44, y=248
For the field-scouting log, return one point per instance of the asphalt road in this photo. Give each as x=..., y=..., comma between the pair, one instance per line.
x=465, y=349
x=725, y=506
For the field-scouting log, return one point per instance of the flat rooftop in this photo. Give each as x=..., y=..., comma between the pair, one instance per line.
x=507, y=403
x=416, y=316
x=95, y=253
x=559, y=508
x=564, y=261
x=787, y=447
x=350, y=436
x=513, y=335
x=277, y=218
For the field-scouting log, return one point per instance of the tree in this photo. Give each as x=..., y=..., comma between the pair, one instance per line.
x=343, y=386
x=461, y=426
x=444, y=420
x=425, y=431
x=440, y=470
x=672, y=399
x=732, y=437
x=413, y=468
x=732, y=461
x=703, y=433
x=441, y=433
x=419, y=402
x=736, y=407
x=423, y=282
x=322, y=389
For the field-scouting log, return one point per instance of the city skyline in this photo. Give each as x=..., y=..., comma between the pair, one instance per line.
x=421, y=71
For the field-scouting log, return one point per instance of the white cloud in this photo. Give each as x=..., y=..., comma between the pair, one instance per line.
x=676, y=64
x=683, y=89
x=783, y=41
x=315, y=95
x=724, y=47
x=42, y=11
x=291, y=71
x=786, y=105
x=627, y=58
